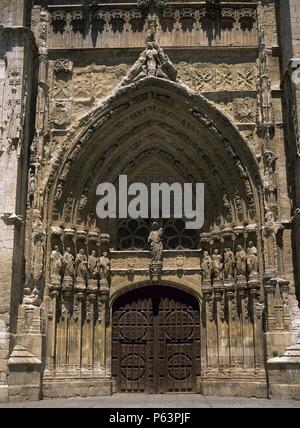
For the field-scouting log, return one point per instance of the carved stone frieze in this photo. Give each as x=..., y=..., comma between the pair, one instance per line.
x=152, y=4
x=208, y=78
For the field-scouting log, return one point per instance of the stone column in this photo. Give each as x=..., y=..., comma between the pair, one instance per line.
x=235, y=333
x=257, y=310
x=222, y=327
x=211, y=357
x=51, y=303
x=243, y=305
x=99, y=338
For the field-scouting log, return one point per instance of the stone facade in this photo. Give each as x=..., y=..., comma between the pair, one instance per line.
x=162, y=92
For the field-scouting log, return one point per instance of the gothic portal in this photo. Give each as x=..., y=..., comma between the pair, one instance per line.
x=161, y=92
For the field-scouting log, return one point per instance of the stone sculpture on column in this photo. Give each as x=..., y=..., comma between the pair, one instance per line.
x=229, y=263
x=240, y=257
x=155, y=242
x=80, y=271
x=93, y=265
x=217, y=265
x=206, y=266
x=252, y=259
x=93, y=273
x=104, y=264
x=56, y=267
x=156, y=249
x=68, y=270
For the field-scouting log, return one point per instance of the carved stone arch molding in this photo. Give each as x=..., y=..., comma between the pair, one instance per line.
x=155, y=114
x=133, y=285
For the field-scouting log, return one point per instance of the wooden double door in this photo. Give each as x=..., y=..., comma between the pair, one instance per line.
x=156, y=341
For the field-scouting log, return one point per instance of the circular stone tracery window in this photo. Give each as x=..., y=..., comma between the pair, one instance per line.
x=132, y=234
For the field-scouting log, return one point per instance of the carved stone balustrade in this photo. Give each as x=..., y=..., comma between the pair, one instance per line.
x=110, y=27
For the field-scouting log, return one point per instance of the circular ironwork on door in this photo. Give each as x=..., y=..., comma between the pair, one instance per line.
x=185, y=319
x=180, y=366
x=133, y=367
x=156, y=341
x=133, y=325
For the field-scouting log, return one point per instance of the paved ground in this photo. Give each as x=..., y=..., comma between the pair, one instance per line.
x=157, y=401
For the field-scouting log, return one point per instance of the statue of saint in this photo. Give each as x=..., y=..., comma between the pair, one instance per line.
x=206, y=266
x=56, y=265
x=81, y=265
x=155, y=242
x=151, y=59
x=93, y=265
x=252, y=259
x=104, y=264
x=165, y=68
x=240, y=256
x=229, y=263
x=217, y=265
x=68, y=261
x=39, y=242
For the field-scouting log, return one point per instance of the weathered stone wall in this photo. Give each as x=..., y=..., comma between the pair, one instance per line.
x=16, y=97
x=289, y=32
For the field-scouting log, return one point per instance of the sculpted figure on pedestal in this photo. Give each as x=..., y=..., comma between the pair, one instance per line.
x=56, y=265
x=39, y=241
x=104, y=264
x=155, y=242
x=68, y=261
x=93, y=265
x=252, y=259
x=229, y=263
x=217, y=265
x=81, y=265
x=206, y=266
x=240, y=261
x=153, y=61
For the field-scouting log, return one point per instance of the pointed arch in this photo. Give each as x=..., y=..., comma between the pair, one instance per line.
x=181, y=127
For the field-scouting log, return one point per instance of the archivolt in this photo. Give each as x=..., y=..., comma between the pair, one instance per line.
x=155, y=117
